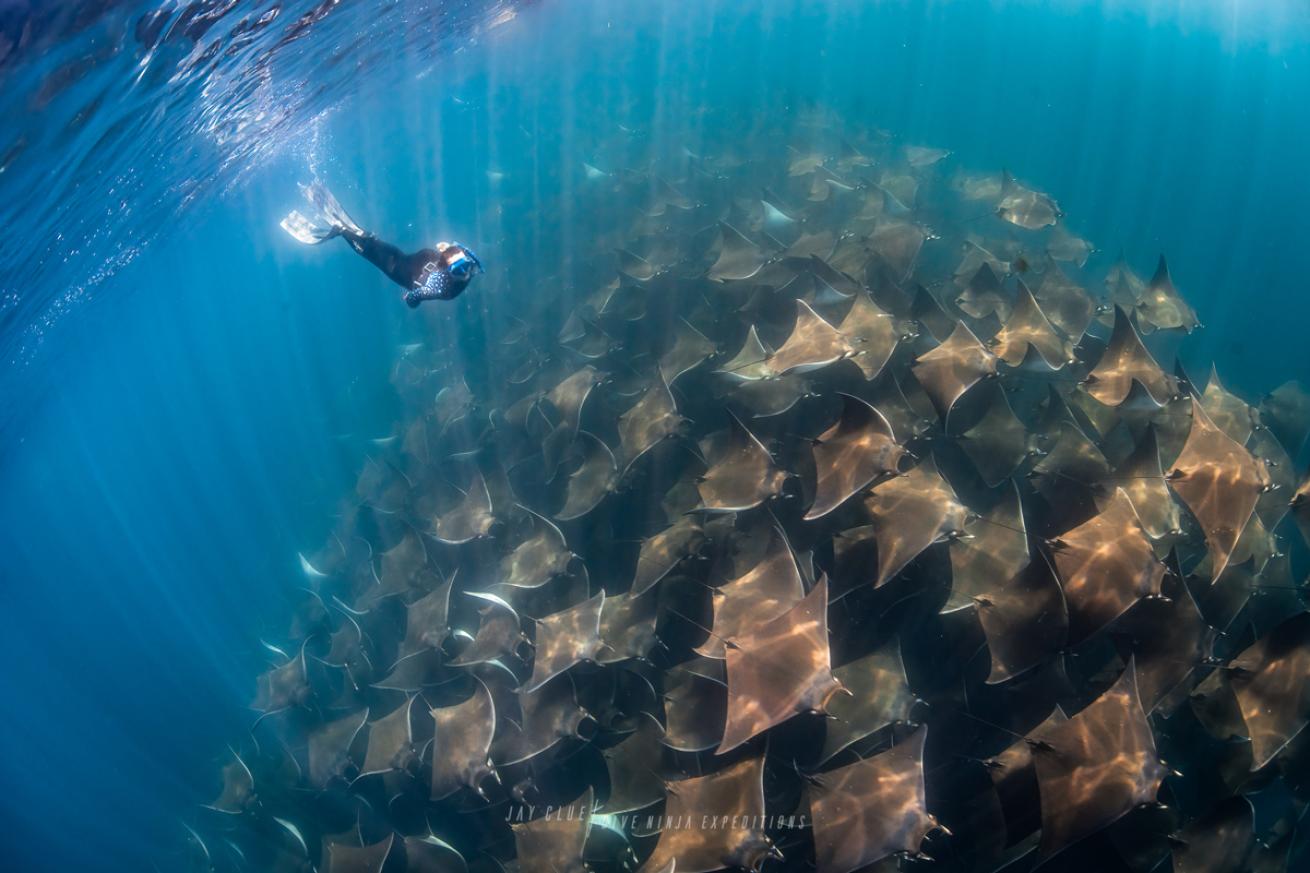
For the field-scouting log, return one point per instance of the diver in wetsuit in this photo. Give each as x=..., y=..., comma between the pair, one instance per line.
x=440, y=273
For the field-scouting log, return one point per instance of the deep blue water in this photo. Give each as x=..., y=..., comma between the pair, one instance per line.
x=176, y=433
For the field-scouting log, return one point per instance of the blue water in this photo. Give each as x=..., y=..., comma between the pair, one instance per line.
x=188, y=395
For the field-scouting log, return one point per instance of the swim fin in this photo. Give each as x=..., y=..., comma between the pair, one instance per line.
x=331, y=220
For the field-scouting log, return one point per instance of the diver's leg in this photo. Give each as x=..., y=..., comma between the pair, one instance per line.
x=380, y=254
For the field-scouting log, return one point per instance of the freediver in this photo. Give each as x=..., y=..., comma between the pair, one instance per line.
x=440, y=273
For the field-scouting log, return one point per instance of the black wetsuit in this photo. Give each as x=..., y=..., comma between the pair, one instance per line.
x=425, y=274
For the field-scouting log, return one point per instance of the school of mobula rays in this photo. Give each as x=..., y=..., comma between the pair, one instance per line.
x=840, y=504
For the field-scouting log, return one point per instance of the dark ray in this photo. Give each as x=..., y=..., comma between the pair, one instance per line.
x=778, y=669
x=769, y=589
x=871, y=809
x=651, y=420
x=739, y=258
x=329, y=749
x=1124, y=360
x=909, y=513
x=742, y=473
x=635, y=267
x=954, y=367
x=924, y=156
x=1106, y=564
x=1219, y=481
x=737, y=791
x=998, y=442
x=897, y=244
x=695, y=704
x=634, y=769
x=595, y=477
x=856, y=450
x=664, y=551
x=461, y=745
x=1061, y=245
x=879, y=696
x=567, y=399
x=1168, y=640
x=751, y=363
x=469, y=519
x=1065, y=303
x=1286, y=412
x=1269, y=681
x=569, y=637
x=1096, y=767
x=238, y=792
x=690, y=349
x=1267, y=450
x=769, y=397
x=549, y=715
x=1218, y=841
x=391, y=742
x=553, y=843
x=426, y=625
x=983, y=295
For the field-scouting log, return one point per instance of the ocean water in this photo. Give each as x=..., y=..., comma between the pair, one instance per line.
x=188, y=396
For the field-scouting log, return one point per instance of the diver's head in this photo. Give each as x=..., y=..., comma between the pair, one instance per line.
x=459, y=261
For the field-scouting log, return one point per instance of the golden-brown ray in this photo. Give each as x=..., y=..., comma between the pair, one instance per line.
x=1065, y=303
x=569, y=637
x=1028, y=328
x=634, y=769
x=1061, y=245
x=391, y=742
x=469, y=519
x=238, y=792
x=690, y=348
x=1269, y=681
x=856, y=450
x=595, y=477
x=871, y=809
x=627, y=627
x=1273, y=503
x=426, y=624
x=651, y=420
x=909, y=513
x=812, y=344
x=739, y=258
x=1106, y=564
x=1230, y=413
x=1095, y=767
x=538, y=558
x=779, y=669
x=1024, y=207
x=701, y=846
x=954, y=367
x=1124, y=360
x=742, y=473
x=328, y=748
x=461, y=750
x=769, y=589
x=983, y=295
x=1219, y=481
x=768, y=397
x=634, y=266
x=924, y=156
x=499, y=635
x=1142, y=479
x=1300, y=506
x=342, y=858
x=879, y=696
x=871, y=332
x=998, y=442
x=1161, y=307
x=751, y=363
x=553, y=843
